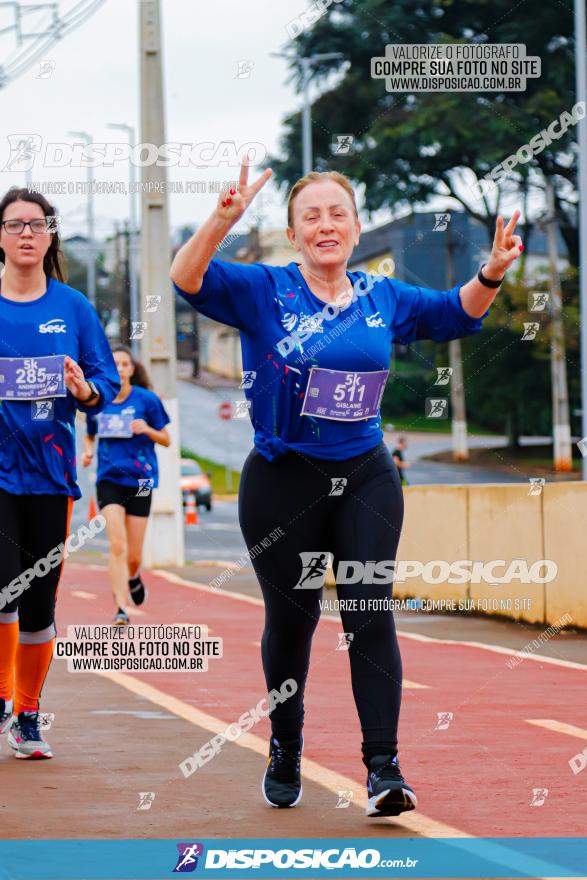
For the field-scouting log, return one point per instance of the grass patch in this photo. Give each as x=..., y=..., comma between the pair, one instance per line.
x=218, y=471
x=405, y=424
x=537, y=459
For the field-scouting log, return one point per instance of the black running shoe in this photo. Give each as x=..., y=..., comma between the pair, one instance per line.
x=388, y=792
x=282, y=782
x=137, y=589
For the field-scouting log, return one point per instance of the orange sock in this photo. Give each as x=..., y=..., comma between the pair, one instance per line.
x=32, y=665
x=8, y=644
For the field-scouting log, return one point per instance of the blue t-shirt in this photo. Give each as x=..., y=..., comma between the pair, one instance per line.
x=126, y=460
x=37, y=455
x=286, y=329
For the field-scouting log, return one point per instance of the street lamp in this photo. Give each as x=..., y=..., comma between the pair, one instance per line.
x=305, y=64
x=91, y=262
x=134, y=286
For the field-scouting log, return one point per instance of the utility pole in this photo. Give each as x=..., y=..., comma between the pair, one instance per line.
x=581, y=96
x=133, y=269
x=306, y=117
x=164, y=543
x=91, y=253
x=125, y=322
x=117, y=275
x=561, y=429
x=460, y=448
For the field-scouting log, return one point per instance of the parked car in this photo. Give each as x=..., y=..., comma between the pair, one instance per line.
x=194, y=481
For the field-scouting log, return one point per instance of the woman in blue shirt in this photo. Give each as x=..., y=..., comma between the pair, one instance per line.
x=128, y=428
x=54, y=360
x=316, y=342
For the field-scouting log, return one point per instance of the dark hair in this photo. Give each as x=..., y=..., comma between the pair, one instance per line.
x=54, y=262
x=140, y=376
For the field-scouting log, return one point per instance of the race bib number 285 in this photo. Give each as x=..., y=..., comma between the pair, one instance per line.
x=32, y=378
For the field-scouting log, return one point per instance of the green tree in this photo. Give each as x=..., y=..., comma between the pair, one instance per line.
x=507, y=379
x=411, y=147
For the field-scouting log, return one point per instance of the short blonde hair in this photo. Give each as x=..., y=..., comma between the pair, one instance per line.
x=317, y=177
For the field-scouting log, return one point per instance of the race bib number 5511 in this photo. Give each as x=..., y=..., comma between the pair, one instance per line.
x=342, y=396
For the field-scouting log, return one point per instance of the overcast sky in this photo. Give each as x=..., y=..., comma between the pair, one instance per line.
x=95, y=82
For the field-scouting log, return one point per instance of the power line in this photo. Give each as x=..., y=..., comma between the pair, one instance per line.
x=42, y=40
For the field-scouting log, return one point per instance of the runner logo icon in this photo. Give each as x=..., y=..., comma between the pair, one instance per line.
x=187, y=860
x=314, y=567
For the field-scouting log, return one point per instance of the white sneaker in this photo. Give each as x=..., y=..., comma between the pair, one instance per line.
x=25, y=737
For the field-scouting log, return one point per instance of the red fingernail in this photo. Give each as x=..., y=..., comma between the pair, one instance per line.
x=223, y=204
x=521, y=247
x=232, y=191
x=229, y=201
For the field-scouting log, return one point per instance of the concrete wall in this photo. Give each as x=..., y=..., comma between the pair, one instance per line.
x=565, y=539
x=220, y=349
x=501, y=522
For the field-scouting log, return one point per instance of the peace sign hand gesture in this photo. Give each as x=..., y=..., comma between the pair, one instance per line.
x=230, y=208
x=507, y=247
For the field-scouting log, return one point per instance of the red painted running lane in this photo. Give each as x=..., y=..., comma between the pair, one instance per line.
x=477, y=775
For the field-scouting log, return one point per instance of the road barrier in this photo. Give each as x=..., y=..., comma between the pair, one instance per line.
x=500, y=522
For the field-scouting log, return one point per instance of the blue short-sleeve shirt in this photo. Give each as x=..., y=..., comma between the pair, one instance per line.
x=126, y=460
x=37, y=454
x=285, y=330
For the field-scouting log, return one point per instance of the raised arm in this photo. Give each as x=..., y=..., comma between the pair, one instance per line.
x=192, y=260
x=507, y=247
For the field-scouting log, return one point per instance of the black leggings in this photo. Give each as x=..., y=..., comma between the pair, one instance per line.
x=31, y=526
x=363, y=524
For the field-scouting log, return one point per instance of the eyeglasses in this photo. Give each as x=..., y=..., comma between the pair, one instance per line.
x=46, y=224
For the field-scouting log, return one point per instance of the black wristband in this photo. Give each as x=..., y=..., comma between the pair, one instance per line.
x=94, y=394
x=487, y=281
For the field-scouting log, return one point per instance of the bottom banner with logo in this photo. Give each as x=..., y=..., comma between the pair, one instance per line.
x=280, y=857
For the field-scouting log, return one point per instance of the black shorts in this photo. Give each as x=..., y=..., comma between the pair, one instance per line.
x=126, y=496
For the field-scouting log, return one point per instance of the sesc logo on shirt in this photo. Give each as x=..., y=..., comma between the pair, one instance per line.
x=55, y=325
x=310, y=323
x=375, y=320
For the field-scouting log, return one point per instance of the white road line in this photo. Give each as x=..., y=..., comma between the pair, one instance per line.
x=558, y=727
x=328, y=779
x=498, y=649
x=332, y=781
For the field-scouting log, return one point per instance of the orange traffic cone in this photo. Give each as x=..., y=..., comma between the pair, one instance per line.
x=92, y=508
x=191, y=511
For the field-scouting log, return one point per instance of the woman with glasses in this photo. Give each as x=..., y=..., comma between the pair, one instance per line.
x=54, y=360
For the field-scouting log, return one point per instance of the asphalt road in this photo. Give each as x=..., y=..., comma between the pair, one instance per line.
x=231, y=441
x=486, y=744
x=217, y=535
